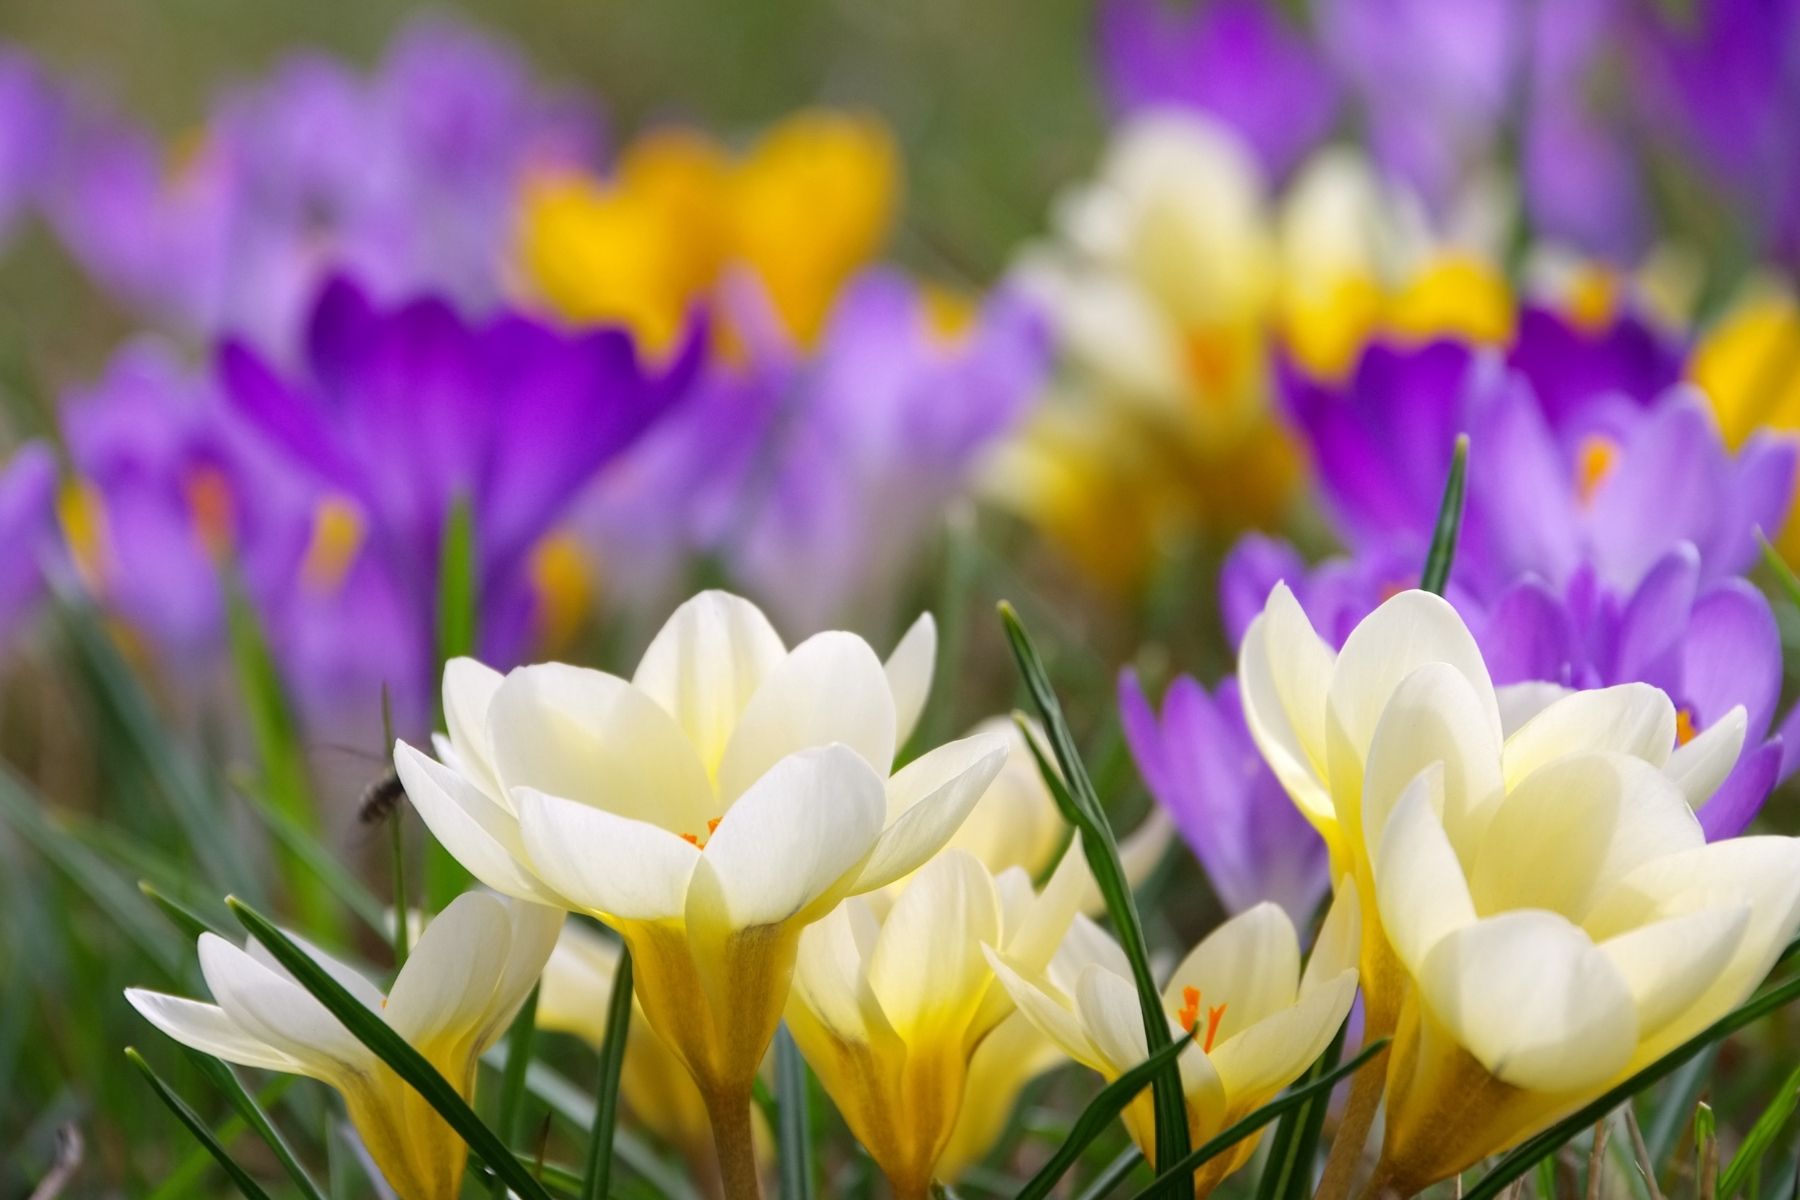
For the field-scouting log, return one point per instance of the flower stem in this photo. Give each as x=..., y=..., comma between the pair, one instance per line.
x=1353, y=1131
x=729, y=1112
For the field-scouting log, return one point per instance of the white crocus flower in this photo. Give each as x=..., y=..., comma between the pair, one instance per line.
x=890, y=1007
x=729, y=794
x=459, y=990
x=1259, y=1020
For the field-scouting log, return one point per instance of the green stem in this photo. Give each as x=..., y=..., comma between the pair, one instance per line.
x=606, y=1101
x=512, y=1082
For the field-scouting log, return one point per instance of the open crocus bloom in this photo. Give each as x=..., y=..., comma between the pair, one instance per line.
x=709, y=808
x=459, y=990
x=1558, y=937
x=1259, y=1020
x=890, y=1010
x=573, y=998
x=1345, y=732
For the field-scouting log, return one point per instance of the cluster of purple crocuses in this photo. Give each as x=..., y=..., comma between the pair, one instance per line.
x=340, y=364
x=1605, y=533
x=1587, y=102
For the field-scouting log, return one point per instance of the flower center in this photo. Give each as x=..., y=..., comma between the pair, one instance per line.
x=1189, y=1016
x=337, y=535
x=1598, y=457
x=694, y=839
x=1684, y=725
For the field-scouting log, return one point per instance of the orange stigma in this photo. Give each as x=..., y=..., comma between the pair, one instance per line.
x=1190, y=1008
x=1214, y=1015
x=1684, y=725
x=693, y=840
x=1597, y=458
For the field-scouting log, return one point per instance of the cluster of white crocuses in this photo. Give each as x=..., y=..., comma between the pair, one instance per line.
x=1524, y=896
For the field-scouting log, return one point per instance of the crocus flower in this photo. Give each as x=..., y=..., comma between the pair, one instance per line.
x=890, y=1008
x=1201, y=767
x=800, y=212
x=405, y=177
x=1235, y=60
x=657, y=1090
x=466, y=978
x=709, y=809
x=31, y=113
x=1260, y=1021
x=815, y=477
x=28, y=530
x=1560, y=934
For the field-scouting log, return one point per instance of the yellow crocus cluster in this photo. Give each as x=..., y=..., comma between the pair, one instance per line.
x=799, y=212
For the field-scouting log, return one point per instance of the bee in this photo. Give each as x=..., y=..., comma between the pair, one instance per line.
x=380, y=799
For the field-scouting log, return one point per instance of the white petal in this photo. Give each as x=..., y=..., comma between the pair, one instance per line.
x=1284, y=671
x=706, y=663
x=476, y=831
x=277, y=1011
x=1261, y=1060
x=1054, y=1015
x=443, y=990
x=1405, y=633
x=1519, y=702
x=1419, y=886
x=1338, y=948
x=1699, y=767
x=604, y=863
x=352, y=980
x=1533, y=1000
x=928, y=971
x=792, y=837
x=1114, y=1020
x=831, y=976
x=592, y=737
x=926, y=803
x=1250, y=964
x=1670, y=964
x=206, y=1028
x=1633, y=718
x=831, y=688
x=469, y=688
x=1435, y=716
x=909, y=669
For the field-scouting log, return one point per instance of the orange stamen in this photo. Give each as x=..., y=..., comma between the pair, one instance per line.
x=1190, y=1008
x=1214, y=1015
x=690, y=839
x=712, y=825
x=1684, y=726
x=1599, y=455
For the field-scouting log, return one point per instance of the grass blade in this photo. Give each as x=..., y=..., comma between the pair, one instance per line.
x=184, y=1180
x=1114, y=1174
x=1287, y=1175
x=458, y=609
x=183, y=917
x=1520, y=1159
x=794, y=1126
x=512, y=1080
x=1761, y=1138
x=1102, y=1111
x=387, y=1044
x=253, y=1116
x=1102, y=853
x=197, y=1127
x=576, y=1109
x=1274, y=1109
x=612, y=1061
x=1449, y=520
x=324, y=865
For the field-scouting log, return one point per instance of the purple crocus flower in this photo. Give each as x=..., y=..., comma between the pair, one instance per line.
x=28, y=531
x=1577, y=458
x=401, y=413
x=1201, y=766
x=813, y=478
x=1235, y=60
x=405, y=178
x=30, y=117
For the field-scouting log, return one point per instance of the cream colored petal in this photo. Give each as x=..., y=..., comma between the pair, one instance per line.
x=928, y=971
x=533, y=932
x=1108, y=1007
x=442, y=992
x=276, y=1011
x=476, y=831
x=1085, y=945
x=704, y=665
x=1435, y=716
x=352, y=980
x=790, y=839
x=1251, y=964
x=206, y=1028
x=1533, y=1000
x=1633, y=718
x=1699, y=767
x=1285, y=672
x=1572, y=827
x=1419, y=886
x=594, y=738
x=605, y=863
x=469, y=688
x=1054, y=1015
x=831, y=972
x=909, y=669
x=1405, y=633
x=1338, y=948
x=831, y=688
x=927, y=801
x=577, y=984
x=1670, y=964
x=1259, y=1061
x=1519, y=702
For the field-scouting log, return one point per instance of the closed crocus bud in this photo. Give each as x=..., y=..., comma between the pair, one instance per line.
x=1559, y=938
x=1259, y=1020
x=459, y=990
x=728, y=795
x=891, y=1009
